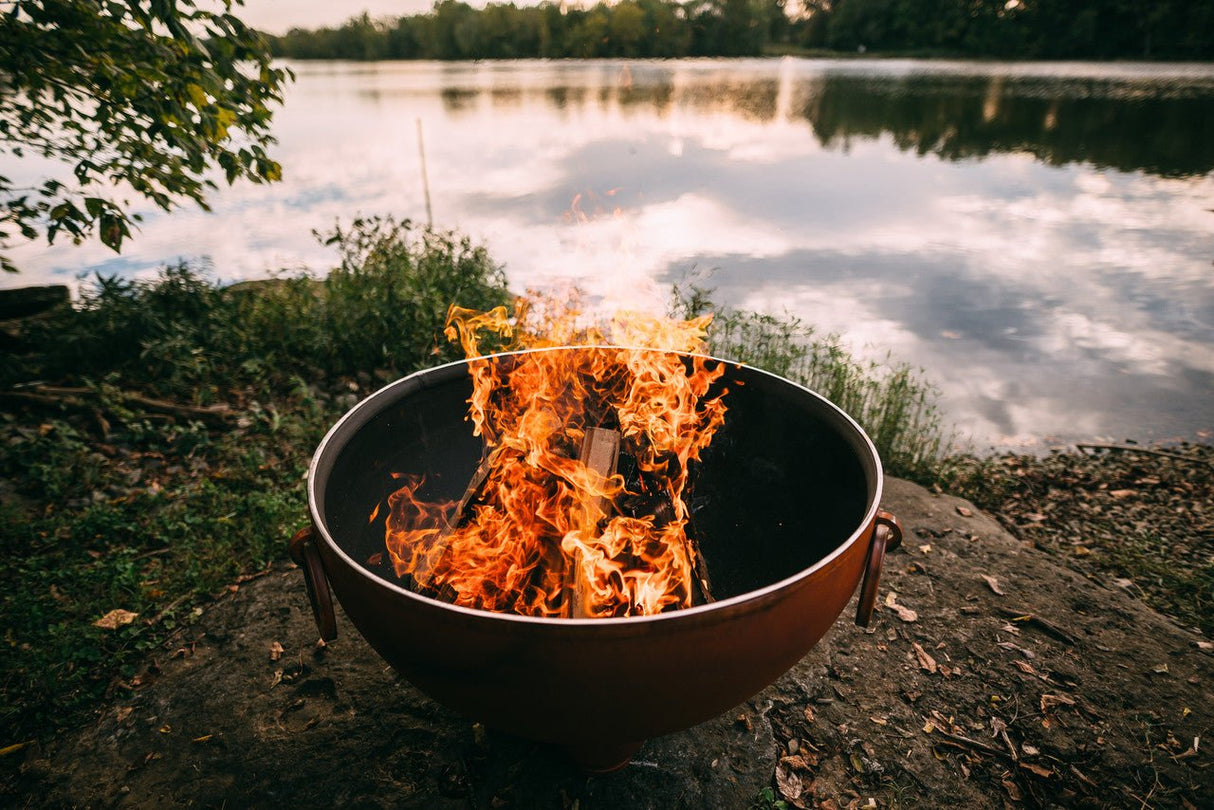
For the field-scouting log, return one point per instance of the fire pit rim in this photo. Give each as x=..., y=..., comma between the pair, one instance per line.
x=370, y=407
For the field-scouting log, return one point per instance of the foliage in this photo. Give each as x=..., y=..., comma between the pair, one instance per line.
x=385, y=305
x=182, y=335
x=891, y=401
x=1024, y=29
x=766, y=800
x=629, y=28
x=145, y=97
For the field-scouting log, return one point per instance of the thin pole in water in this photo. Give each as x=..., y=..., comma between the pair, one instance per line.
x=421, y=150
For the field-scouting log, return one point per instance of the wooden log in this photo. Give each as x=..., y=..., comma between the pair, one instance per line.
x=699, y=566
x=644, y=496
x=600, y=452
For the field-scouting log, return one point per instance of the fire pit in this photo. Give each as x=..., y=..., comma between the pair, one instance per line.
x=785, y=504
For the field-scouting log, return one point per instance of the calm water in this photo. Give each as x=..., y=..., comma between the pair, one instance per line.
x=1037, y=237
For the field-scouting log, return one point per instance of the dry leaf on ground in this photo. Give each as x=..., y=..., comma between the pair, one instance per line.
x=1050, y=701
x=790, y=785
x=115, y=619
x=1025, y=667
x=904, y=613
x=925, y=660
x=993, y=583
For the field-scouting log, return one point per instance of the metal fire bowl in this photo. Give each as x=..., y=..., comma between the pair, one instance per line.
x=786, y=504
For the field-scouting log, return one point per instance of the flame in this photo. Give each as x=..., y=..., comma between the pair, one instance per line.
x=588, y=206
x=543, y=530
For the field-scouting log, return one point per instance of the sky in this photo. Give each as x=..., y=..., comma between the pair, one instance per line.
x=279, y=16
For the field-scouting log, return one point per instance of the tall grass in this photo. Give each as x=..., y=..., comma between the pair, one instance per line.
x=892, y=401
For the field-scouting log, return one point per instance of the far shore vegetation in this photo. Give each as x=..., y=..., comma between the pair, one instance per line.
x=1015, y=29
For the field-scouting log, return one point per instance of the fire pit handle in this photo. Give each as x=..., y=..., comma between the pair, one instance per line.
x=887, y=536
x=303, y=551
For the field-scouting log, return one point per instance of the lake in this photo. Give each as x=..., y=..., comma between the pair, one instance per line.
x=1037, y=237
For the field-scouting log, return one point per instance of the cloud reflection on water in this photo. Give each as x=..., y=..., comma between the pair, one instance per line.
x=1041, y=248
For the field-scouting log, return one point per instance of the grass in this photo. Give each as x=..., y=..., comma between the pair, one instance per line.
x=892, y=401
x=109, y=507
x=183, y=335
x=194, y=521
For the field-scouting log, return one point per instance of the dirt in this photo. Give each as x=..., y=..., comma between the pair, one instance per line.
x=1140, y=517
x=991, y=676
x=1018, y=681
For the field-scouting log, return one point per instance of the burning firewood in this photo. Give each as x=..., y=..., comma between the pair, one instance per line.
x=699, y=566
x=643, y=497
x=600, y=452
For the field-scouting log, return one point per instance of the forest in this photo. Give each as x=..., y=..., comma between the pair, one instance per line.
x=1005, y=29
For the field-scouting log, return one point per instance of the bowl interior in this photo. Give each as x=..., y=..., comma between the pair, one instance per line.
x=786, y=481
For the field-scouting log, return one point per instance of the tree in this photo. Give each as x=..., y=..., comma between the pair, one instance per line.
x=626, y=29
x=143, y=96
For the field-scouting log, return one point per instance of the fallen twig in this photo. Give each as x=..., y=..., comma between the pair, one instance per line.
x=86, y=399
x=1031, y=618
x=959, y=741
x=171, y=606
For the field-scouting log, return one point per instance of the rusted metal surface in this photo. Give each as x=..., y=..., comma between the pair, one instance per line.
x=600, y=685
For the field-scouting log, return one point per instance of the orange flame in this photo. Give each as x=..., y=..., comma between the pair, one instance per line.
x=588, y=206
x=544, y=531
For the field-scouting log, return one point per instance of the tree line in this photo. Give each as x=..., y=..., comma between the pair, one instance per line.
x=1015, y=29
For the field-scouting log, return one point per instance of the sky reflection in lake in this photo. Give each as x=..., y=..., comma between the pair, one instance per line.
x=1037, y=237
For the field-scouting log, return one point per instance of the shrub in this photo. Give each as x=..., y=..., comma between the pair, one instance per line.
x=182, y=334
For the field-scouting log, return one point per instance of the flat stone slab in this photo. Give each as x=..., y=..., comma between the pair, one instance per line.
x=992, y=675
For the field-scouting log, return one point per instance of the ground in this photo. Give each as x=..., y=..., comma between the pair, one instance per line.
x=993, y=675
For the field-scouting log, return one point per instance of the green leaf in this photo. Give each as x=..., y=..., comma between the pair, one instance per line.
x=197, y=95
x=127, y=91
x=113, y=229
